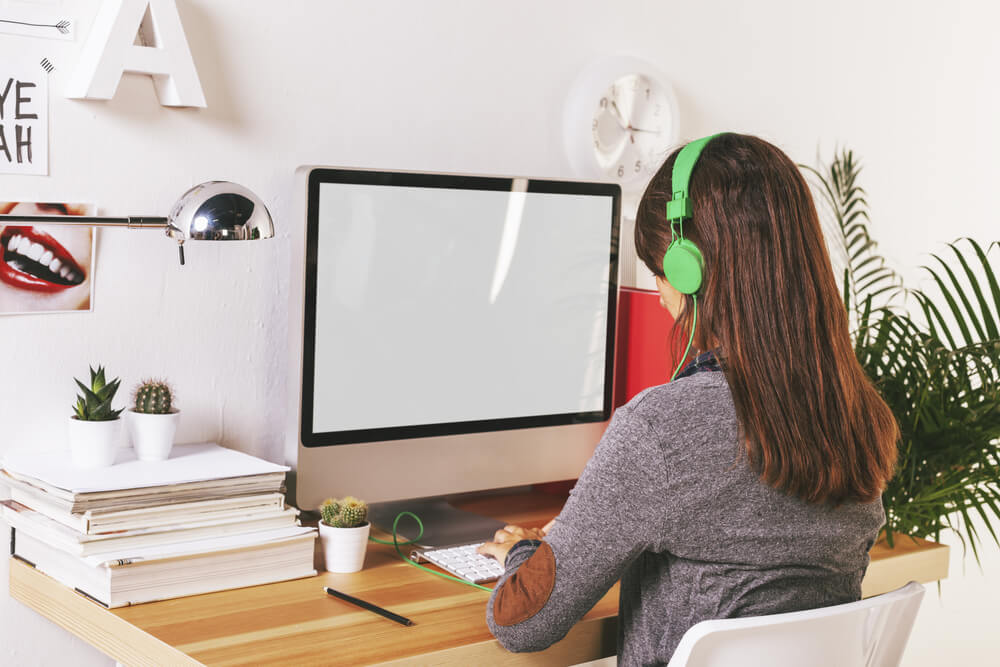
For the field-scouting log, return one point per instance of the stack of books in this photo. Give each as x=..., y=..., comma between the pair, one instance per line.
x=207, y=519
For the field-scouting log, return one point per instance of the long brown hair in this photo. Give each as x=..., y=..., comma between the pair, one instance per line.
x=813, y=424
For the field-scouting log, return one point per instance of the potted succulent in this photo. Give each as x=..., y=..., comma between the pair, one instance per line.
x=153, y=420
x=343, y=532
x=95, y=427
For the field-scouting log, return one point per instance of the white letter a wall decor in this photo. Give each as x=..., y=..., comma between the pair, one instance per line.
x=111, y=50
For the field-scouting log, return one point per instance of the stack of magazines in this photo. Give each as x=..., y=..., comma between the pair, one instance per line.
x=207, y=519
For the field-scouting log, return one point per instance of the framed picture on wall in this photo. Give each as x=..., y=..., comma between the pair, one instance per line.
x=46, y=268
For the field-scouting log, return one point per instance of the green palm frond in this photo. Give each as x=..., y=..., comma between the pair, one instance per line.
x=865, y=271
x=947, y=404
x=976, y=318
x=940, y=374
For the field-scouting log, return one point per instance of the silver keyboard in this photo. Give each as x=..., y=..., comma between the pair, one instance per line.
x=463, y=562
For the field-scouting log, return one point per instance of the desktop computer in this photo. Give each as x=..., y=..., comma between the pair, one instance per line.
x=448, y=334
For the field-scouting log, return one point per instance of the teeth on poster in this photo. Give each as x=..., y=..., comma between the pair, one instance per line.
x=46, y=268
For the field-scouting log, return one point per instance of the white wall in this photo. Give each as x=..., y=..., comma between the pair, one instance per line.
x=466, y=87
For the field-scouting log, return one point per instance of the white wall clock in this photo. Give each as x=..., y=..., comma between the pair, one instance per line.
x=620, y=121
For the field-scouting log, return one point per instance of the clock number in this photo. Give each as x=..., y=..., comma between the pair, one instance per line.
x=621, y=170
x=638, y=166
x=647, y=93
x=604, y=103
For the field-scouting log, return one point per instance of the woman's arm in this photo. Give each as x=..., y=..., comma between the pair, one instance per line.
x=615, y=511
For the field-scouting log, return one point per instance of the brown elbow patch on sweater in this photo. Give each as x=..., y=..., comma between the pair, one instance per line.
x=526, y=592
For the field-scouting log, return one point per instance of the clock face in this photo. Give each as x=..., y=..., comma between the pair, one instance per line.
x=632, y=128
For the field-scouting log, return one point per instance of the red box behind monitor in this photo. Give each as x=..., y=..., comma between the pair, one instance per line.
x=644, y=356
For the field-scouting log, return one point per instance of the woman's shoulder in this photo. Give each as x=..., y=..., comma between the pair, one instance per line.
x=674, y=412
x=699, y=391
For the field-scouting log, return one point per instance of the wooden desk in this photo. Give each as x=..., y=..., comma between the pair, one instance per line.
x=295, y=623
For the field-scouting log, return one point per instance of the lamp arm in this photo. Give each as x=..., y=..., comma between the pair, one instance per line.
x=141, y=222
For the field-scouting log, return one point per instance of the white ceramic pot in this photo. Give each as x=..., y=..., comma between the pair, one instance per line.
x=152, y=435
x=94, y=444
x=344, y=548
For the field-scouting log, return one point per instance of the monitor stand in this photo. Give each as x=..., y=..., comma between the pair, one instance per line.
x=443, y=524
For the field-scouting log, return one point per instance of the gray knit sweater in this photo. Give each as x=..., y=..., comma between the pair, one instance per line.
x=669, y=505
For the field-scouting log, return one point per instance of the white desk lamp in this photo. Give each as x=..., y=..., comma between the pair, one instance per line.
x=212, y=211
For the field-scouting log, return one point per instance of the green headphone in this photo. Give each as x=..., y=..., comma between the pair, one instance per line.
x=683, y=263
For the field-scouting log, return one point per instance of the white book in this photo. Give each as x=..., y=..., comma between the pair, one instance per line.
x=193, y=472
x=76, y=543
x=176, y=576
x=202, y=462
x=155, y=497
x=129, y=555
x=94, y=522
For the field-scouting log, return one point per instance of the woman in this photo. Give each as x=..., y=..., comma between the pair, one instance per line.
x=750, y=484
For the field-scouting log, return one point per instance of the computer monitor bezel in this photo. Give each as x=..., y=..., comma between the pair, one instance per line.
x=318, y=177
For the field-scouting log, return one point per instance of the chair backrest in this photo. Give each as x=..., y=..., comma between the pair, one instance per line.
x=867, y=633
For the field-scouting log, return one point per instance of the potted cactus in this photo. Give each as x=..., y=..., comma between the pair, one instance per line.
x=343, y=532
x=95, y=427
x=153, y=420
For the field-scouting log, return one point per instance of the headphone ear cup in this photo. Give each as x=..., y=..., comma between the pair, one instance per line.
x=682, y=266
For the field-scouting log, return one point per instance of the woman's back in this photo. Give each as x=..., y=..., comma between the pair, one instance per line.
x=733, y=546
x=669, y=504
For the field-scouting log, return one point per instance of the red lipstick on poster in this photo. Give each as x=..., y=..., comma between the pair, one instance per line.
x=33, y=260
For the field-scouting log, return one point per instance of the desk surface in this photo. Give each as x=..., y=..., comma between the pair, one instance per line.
x=294, y=622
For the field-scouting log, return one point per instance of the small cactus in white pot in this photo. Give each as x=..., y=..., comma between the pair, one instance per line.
x=153, y=420
x=343, y=532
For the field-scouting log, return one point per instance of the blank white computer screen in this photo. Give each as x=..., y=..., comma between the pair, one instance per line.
x=442, y=306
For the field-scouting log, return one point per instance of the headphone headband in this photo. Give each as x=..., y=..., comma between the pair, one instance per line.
x=679, y=207
x=683, y=262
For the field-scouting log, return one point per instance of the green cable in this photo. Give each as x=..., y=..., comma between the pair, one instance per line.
x=395, y=537
x=396, y=543
x=694, y=323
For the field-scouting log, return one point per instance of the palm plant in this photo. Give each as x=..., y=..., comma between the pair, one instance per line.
x=937, y=364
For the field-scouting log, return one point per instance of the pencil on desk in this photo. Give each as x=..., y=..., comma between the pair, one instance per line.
x=368, y=605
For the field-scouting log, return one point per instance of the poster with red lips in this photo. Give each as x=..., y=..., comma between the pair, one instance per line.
x=46, y=268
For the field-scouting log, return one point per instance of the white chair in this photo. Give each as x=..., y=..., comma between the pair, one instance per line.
x=867, y=633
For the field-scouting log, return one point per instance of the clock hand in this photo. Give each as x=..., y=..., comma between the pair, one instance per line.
x=618, y=114
x=625, y=125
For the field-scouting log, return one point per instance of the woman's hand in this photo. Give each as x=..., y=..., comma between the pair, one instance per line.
x=505, y=539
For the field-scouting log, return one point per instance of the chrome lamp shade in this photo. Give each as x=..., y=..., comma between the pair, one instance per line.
x=212, y=211
x=219, y=211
